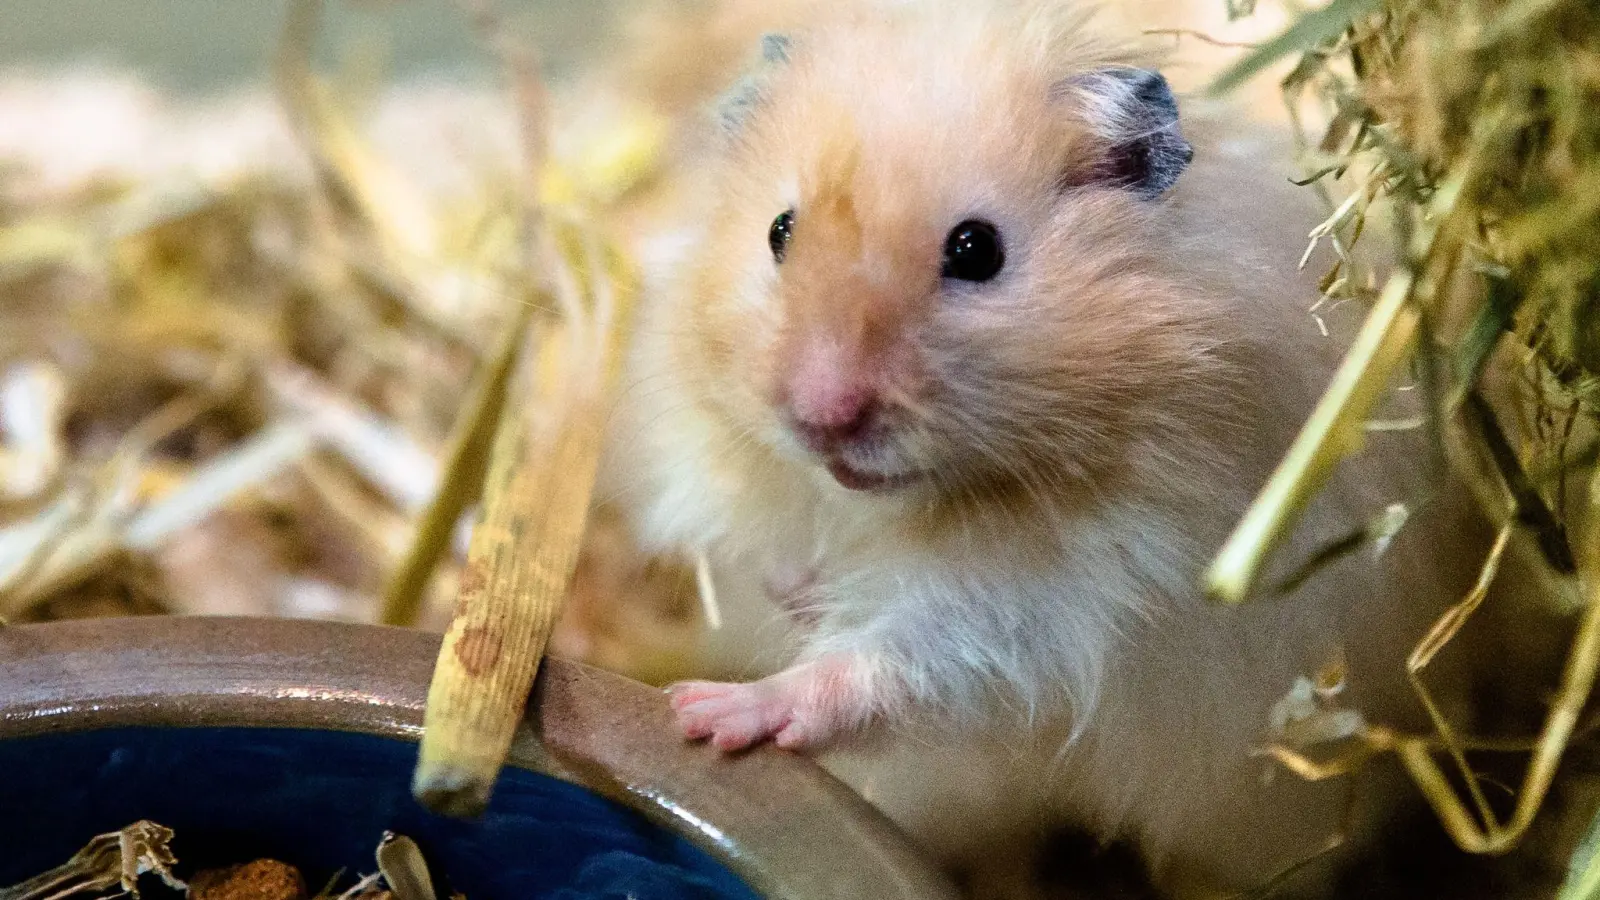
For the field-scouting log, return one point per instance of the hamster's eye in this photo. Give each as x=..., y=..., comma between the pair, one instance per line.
x=778, y=236
x=972, y=252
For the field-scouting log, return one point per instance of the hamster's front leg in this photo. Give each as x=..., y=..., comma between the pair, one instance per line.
x=806, y=706
x=793, y=589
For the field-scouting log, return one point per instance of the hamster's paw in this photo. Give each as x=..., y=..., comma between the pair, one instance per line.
x=805, y=707
x=733, y=716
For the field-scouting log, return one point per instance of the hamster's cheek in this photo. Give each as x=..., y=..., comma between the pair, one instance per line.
x=752, y=293
x=747, y=386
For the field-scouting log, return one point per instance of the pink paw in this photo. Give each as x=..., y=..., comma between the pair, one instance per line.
x=806, y=706
x=733, y=716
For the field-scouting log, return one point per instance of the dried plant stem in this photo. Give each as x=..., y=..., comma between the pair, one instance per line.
x=385, y=456
x=361, y=186
x=1577, y=680
x=108, y=862
x=523, y=551
x=1441, y=634
x=1373, y=742
x=1201, y=36
x=1475, y=829
x=467, y=461
x=521, y=67
x=462, y=481
x=522, y=555
x=1334, y=430
x=1493, y=96
x=1337, y=424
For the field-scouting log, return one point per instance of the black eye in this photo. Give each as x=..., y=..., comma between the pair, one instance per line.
x=972, y=252
x=778, y=236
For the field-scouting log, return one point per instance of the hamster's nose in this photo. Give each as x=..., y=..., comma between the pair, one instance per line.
x=824, y=427
x=829, y=394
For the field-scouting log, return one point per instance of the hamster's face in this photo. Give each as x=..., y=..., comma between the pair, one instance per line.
x=930, y=266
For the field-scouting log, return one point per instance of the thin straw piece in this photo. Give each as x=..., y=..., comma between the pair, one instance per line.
x=462, y=481
x=1334, y=430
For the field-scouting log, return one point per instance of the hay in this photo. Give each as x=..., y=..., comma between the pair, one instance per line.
x=239, y=332
x=1466, y=131
x=109, y=864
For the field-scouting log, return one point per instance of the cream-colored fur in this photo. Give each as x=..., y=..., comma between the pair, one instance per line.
x=1016, y=638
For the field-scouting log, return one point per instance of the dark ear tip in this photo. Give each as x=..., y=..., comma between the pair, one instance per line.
x=734, y=108
x=1147, y=83
x=1153, y=84
x=1148, y=151
x=1152, y=92
x=1148, y=86
x=775, y=48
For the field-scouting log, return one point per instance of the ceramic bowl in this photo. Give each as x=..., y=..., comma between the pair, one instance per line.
x=295, y=740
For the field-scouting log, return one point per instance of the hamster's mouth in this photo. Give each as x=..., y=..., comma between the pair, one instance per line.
x=855, y=479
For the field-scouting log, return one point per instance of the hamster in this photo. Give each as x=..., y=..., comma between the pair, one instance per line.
x=972, y=345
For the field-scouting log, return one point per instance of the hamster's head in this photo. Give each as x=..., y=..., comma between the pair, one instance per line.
x=937, y=254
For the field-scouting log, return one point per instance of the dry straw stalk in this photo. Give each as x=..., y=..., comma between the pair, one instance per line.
x=524, y=549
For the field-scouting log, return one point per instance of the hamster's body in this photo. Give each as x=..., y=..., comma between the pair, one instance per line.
x=989, y=501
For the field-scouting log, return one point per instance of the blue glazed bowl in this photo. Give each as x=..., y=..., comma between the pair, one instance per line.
x=321, y=799
x=296, y=741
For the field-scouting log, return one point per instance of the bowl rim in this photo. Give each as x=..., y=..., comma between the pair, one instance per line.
x=777, y=820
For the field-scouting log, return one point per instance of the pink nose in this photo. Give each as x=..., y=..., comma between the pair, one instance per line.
x=828, y=413
x=830, y=395
x=849, y=421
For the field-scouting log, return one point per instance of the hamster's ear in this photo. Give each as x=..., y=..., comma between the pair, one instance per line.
x=735, y=107
x=775, y=48
x=1134, y=113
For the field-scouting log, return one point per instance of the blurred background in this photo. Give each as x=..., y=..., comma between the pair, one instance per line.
x=207, y=46
x=249, y=268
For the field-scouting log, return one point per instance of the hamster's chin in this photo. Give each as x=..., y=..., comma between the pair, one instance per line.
x=861, y=480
